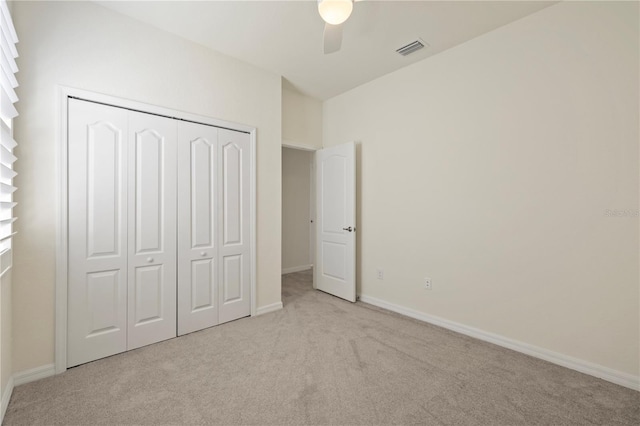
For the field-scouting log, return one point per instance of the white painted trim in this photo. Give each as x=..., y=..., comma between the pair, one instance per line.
x=296, y=145
x=6, y=397
x=312, y=209
x=60, y=354
x=269, y=308
x=62, y=214
x=296, y=269
x=34, y=374
x=586, y=367
x=253, y=227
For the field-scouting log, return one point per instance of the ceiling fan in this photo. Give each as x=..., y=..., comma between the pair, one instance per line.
x=334, y=13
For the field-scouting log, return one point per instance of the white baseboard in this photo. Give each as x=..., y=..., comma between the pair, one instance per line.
x=296, y=269
x=20, y=379
x=586, y=367
x=269, y=308
x=34, y=374
x=6, y=397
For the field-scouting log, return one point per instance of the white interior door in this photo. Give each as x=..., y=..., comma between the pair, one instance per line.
x=234, y=272
x=152, y=229
x=197, y=227
x=335, y=265
x=97, y=191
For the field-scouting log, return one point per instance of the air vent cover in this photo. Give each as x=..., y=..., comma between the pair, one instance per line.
x=411, y=47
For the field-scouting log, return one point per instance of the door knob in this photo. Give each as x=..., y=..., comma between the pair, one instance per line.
x=203, y=253
x=149, y=259
x=349, y=229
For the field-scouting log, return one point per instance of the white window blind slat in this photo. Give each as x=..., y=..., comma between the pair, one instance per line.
x=8, y=30
x=5, y=230
x=6, y=106
x=6, y=157
x=8, y=73
x=6, y=140
x=6, y=209
x=7, y=189
x=3, y=239
x=4, y=10
x=8, y=63
x=11, y=46
x=7, y=173
x=6, y=87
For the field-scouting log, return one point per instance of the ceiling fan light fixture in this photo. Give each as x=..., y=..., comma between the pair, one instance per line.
x=335, y=12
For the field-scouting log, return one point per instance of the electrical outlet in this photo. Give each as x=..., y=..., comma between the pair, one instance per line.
x=380, y=273
x=427, y=283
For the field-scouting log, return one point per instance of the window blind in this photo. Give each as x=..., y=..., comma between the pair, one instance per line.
x=8, y=83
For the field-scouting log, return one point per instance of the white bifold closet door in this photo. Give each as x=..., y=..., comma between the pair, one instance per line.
x=152, y=229
x=213, y=226
x=159, y=237
x=97, y=271
x=122, y=239
x=197, y=227
x=233, y=221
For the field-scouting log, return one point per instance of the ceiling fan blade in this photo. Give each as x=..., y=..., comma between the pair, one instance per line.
x=332, y=38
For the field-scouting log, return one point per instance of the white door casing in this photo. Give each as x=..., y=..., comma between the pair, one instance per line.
x=152, y=229
x=234, y=272
x=312, y=212
x=334, y=270
x=97, y=271
x=197, y=228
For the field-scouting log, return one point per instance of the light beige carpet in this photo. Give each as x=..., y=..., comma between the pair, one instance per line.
x=322, y=360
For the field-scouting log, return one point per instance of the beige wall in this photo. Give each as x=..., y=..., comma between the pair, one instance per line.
x=296, y=197
x=83, y=45
x=301, y=119
x=490, y=168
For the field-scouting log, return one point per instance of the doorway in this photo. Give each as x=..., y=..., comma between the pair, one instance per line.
x=298, y=211
x=319, y=219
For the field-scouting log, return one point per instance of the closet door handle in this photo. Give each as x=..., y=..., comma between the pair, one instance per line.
x=203, y=253
x=349, y=229
x=149, y=259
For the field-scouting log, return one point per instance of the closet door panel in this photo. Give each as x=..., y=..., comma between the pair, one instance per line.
x=232, y=186
x=149, y=165
x=148, y=294
x=232, y=281
x=197, y=227
x=97, y=274
x=234, y=175
x=152, y=229
x=202, y=279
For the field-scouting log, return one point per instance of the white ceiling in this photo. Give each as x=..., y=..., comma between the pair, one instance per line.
x=285, y=37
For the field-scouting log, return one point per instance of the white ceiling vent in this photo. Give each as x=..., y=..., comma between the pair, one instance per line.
x=411, y=47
